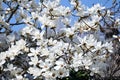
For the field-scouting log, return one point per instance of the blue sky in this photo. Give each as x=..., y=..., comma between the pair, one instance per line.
x=88, y=3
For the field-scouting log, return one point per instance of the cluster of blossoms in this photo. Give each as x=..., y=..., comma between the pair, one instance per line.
x=51, y=44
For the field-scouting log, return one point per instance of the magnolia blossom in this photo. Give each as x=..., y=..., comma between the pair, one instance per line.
x=34, y=60
x=95, y=8
x=51, y=44
x=35, y=71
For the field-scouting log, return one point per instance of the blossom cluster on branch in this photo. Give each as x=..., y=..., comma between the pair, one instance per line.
x=51, y=44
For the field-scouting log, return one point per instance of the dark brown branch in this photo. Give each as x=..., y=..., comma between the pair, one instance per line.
x=12, y=14
x=12, y=24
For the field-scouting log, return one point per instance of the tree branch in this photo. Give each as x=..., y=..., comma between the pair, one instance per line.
x=12, y=14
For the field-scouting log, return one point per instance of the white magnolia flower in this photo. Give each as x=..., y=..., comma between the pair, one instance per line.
x=47, y=22
x=118, y=37
x=44, y=20
x=87, y=62
x=35, y=15
x=52, y=42
x=19, y=77
x=87, y=41
x=98, y=45
x=68, y=31
x=108, y=46
x=117, y=22
x=60, y=64
x=2, y=62
x=63, y=73
x=11, y=37
x=21, y=44
x=36, y=34
x=14, y=70
x=10, y=67
x=44, y=52
x=26, y=30
x=28, y=21
x=77, y=61
x=34, y=60
x=34, y=71
x=49, y=75
x=95, y=8
x=59, y=10
x=45, y=65
x=3, y=55
x=12, y=53
x=34, y=52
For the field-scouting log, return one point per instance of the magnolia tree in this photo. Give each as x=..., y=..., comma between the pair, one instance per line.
x=58, y=40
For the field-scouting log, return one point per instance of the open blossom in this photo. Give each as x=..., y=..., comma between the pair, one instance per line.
x=34, y=52
x=108, y=46
x=88, y=41
x=77, y=61
x=26, y=30
x=95, y=8
x=34, y=60
x=34, y=15
x=46, y=21
x=35, y=71
x=45, y=65
x=52, y=4
x=59, y=64
x=63, y=73
x=36, y=34
x=59, y=10
x=68, y=31
x=2, y=62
